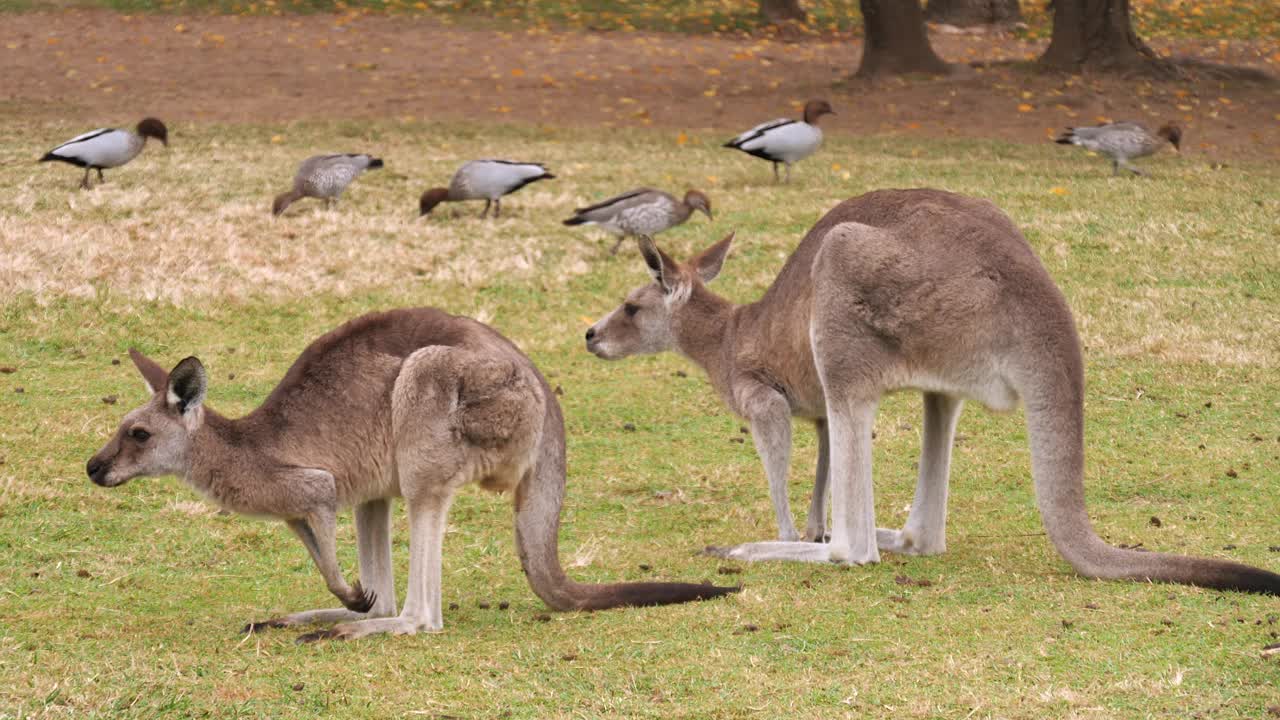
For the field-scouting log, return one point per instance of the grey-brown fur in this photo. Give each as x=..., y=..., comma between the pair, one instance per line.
x=895, y=290
x=411, y=403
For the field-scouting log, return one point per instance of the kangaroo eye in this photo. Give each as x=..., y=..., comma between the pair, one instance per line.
x=139, y=434
x=630, y=309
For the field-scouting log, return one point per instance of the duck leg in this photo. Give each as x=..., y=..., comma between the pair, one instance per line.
x=775, y=173
x=84, y=184
x=788, y=173
x=101, y=179
x=485, y=212
x=497, y=207
x=614, y=250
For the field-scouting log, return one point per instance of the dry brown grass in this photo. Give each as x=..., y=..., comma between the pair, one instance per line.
x=1180, y=266
x=193, y=223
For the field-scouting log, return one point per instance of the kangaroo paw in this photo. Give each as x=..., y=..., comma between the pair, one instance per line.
x=360, y=600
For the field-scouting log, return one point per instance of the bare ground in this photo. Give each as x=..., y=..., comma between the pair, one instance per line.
x=94, y=67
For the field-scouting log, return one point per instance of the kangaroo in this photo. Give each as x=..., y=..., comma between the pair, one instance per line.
x=411, y=403
x=895, y=290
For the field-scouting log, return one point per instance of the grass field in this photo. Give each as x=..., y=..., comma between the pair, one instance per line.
x=127, y=603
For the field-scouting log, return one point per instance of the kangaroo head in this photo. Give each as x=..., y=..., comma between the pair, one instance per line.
x=648, y=320
x=153, y=439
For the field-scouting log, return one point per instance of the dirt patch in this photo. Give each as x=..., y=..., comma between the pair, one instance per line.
x=94, y=67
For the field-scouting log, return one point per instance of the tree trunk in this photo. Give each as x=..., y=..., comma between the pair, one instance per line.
x=1096, y=34
x=967, y=13
x=780, y=12
x=895, y=40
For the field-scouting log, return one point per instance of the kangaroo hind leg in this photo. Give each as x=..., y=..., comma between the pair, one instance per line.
x=373, y=533
x=925, y=532
x=771, y=430
x=422, y=603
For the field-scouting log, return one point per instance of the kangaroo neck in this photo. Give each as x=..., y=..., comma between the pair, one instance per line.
x=704, y=329
x=221, y=464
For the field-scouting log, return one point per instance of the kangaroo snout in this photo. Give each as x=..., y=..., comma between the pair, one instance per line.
x=594, y=344
x=97, y=470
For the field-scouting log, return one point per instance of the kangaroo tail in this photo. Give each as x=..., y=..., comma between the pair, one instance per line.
x=1055, y=423
x=538, y=499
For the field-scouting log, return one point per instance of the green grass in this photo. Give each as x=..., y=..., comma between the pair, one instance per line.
x=1256, y=19
x=126, y=603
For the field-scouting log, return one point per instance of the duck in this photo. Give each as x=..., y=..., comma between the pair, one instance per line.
x=107, y=148
x=641, y=212
x=1122, y=142
x=487, y=180
x=783, y=140
x=325, y=177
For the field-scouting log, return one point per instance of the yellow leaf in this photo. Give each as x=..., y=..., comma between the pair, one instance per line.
x=713, y=71
x=709, y=92
x=277, y=139
x=835, y=167
x=179, y=28
x=1059, y=191
x=1025, y=108
x=517, y=72
x=681, y=139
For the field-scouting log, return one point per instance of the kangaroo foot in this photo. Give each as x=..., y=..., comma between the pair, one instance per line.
x=307, y=617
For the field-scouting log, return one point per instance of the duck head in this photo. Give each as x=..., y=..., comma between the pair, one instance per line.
x=697, y=200
x=153, y=128
x=815, y=109
x=430, y=199
x=1173, y=134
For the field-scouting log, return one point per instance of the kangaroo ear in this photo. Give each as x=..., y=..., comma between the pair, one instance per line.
x=664, y=270
x=708, y=262
x=187, y=385
x=154, y=375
